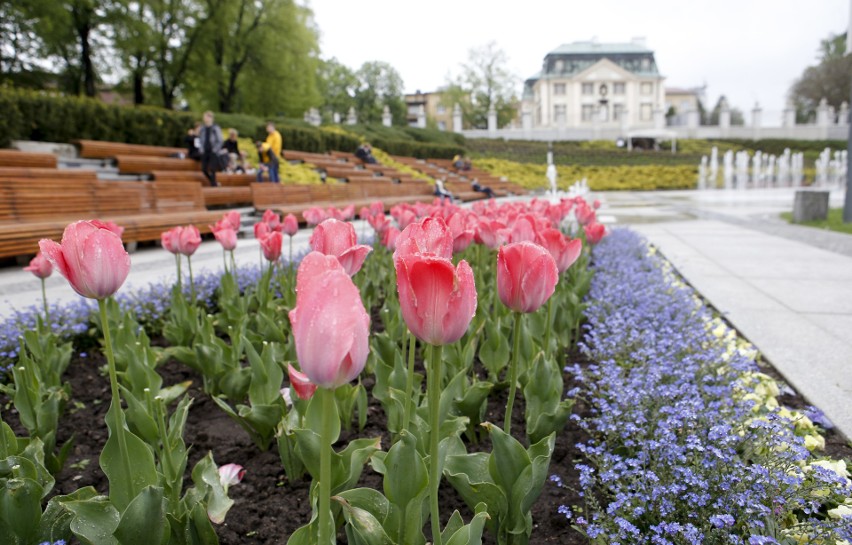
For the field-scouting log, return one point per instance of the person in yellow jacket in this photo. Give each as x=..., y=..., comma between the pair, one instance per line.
x=269, y=152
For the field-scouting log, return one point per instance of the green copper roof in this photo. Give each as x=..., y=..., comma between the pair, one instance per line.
x=584, y=48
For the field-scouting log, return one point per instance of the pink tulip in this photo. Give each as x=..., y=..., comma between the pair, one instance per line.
x=169, y=240
x=594, y=232
x=233, y=217
x=348, y=212
x=315, y=216
x=437, y=300
x=92, y=259
x=109, y=226
x=271, y=218
x=301, y=384
x=377, y=207
x=564, y=250
x=40, y=266
x=379, y=222
x=488, y=232
x=462, y=235
x=261, y=229
x=330, y=326
x=389, y=238
x=188, y=239
x=338, y=238
x=526, y=276
x=291, y=225
x=271, y=246
x=406, y=218
x=596, y=204
x=584, y=213
x=524, y=229
x=225, y=234
x=427, y=237
x=230, y=474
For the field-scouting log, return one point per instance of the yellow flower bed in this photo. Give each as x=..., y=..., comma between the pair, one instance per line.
x=385, y=159
x=601, y=178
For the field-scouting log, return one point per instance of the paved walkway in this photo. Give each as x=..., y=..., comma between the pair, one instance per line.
x=787, y=289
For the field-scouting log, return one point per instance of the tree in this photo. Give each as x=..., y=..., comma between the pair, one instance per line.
x=487, y=81
x=828, y=79
x=338, y=85
x=257, y=57
x=133, y=38
x=737, y=117
x=380, y=85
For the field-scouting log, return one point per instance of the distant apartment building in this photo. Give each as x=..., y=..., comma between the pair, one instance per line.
x=421, y=107
x=588, y=83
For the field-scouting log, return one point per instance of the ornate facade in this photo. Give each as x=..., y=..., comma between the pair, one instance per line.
x=585, y=84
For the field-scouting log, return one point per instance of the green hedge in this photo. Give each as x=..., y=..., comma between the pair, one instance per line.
x=51, y=117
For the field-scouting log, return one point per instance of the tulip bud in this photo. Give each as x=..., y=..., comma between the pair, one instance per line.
x=526, y=276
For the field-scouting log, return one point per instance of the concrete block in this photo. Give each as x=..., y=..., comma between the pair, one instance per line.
x=810, y=205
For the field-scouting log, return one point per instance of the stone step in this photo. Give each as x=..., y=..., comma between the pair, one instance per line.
x=87, y=164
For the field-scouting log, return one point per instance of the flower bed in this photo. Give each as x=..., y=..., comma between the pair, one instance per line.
x=687, y=440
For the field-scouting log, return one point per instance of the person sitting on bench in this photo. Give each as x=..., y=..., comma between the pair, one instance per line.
x=440, y=191
x=365, y=153
x=476, y=186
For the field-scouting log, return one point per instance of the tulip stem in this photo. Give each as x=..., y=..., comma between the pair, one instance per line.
x=434, y=390
x=234, y=268
x=44, y=300
x=290, y=258
x=409, y=381
x=326, y=533
x=191, y=280
x=513, y=372
x=179, y=279
x=116, y=399
x=549, y=326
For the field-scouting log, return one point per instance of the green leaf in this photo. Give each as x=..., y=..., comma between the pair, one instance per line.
x=362, y=527
x=95, y=520
x=20, y=506
x=144, y=520
x=56, y=519
x=129, y=476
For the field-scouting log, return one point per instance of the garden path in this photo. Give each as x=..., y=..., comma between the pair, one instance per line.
x=791, y=299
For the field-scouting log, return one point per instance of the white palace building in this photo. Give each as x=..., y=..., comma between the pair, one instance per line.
x=588, y=84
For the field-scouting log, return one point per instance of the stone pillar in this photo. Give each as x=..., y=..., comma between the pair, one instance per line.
x=693, y=119
x=659, y=118
x=457, y=118
x=724, y=117
x=843, y=117
x=313, y=117
x=492, y=119
x=421, y=116
x=526, y=119
x=624, y=121
x=387, y=118
x=810, y=205
x=756, y=120
x=351, y=117
x=789, y=116
x=822, y=113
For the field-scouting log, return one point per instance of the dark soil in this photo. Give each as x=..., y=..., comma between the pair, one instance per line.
x=268, y=508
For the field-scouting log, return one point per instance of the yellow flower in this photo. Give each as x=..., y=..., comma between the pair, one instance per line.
x=814, y=442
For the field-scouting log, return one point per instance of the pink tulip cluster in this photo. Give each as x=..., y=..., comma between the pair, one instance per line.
x=316, y=215
x=225, y=230
x=183, y=240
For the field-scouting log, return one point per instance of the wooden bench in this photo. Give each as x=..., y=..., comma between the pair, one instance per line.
x=294, y=199
x=233, y=189
x=98, y=149
x=47, y=173
x=16, y=158
x=32, y=209
x=140, y=164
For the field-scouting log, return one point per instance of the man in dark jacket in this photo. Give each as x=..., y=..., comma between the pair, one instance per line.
x=210, y=138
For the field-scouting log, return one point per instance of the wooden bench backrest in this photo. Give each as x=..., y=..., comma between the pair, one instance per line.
x=47, y=173
x=97, y=149
x=124, y=198
x=38, y=199
x=141, y=165
x=266, y=195
x=16, y=158
x=178, y=196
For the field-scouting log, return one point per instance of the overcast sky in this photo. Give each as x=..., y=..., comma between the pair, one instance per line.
x=749, y=50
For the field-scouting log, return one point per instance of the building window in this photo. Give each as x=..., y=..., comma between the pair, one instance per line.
x=440, y=109
x=647, y=88
x=588, y=88
x=646, y=112
x=560, y=113
x=558, y=88
x=559, y=66
x=618, y=88
x=588, y=112
x=617, y=111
